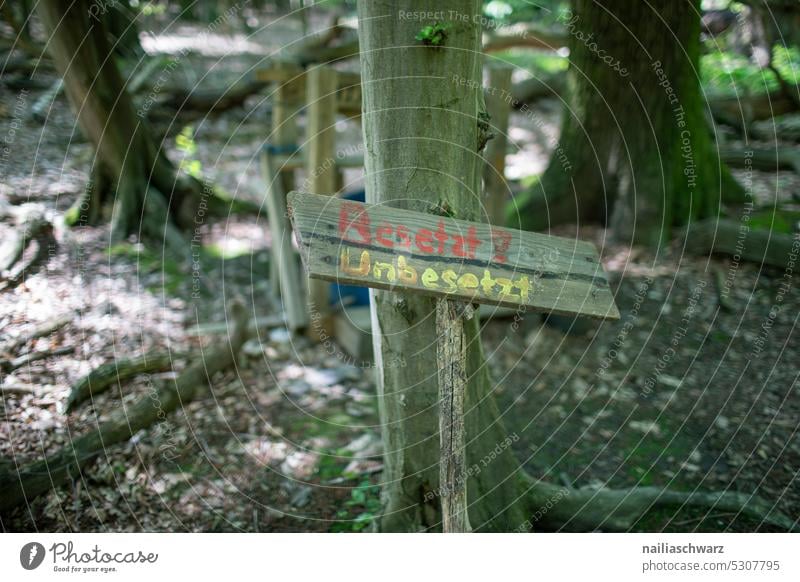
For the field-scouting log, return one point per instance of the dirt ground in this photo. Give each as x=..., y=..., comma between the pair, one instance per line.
x=686, y=390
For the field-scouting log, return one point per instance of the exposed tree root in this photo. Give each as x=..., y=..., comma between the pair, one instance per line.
x=103, y=377
x=30, y=222
x=559, y=508
x=740, y=110
x=32, y=226
x=767, y=159
x=728, y=237
x=41, y=330
x=41, y=476
x=30, y=357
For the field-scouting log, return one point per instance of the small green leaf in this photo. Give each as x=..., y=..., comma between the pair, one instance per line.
x=432, y=35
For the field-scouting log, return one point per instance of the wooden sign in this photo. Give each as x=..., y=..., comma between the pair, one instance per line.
x=401, y=250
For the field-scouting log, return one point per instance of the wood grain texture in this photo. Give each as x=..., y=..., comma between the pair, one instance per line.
x=476, y=263
x=320, y=173
x=292, y=291
x=451, y=356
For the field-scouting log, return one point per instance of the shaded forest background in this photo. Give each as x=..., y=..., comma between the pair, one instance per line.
x=136, y=243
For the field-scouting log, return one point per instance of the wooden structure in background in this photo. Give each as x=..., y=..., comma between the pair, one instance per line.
x=322, y=93
x=321, y=174
x=498, y=105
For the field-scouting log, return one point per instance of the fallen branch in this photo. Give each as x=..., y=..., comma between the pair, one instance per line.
x=31, y=226
x=523, y=35
x=29, y=358
x=535, y=88
x=520, y=35
x=7, y=389
x=30, y=222
x=738, y=239
x=41, y=476
x=43, y=329
x=211, y=100
x=41, y=106
x=103, y=377
x=767, y=159
x=740, y=110
x=142, y=78
x=320, y=49
x=214, y=327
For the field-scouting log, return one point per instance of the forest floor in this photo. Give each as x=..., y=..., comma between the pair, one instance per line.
x=685, y=390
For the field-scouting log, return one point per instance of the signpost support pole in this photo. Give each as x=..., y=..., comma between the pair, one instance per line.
x=321, y=83
x=384, y=247
x=286, y=104
x=451, y=355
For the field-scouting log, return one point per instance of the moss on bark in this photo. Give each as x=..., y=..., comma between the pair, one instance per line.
x=635, y=149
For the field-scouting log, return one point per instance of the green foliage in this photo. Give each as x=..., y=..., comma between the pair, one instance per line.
x=360, y=510
x=72, y=216
x=777, y=221
x=542, y=12
x=536, y=62
x=184, y=142
x=151, y=9
x=433, y=34
x=728, y=73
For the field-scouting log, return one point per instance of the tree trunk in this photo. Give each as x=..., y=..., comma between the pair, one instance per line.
x=635, y=149
x=423, y=129
x=423, y=138
x=149, y=194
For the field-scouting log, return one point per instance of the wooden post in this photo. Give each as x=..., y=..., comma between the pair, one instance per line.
x=498, y=105
x=285, y=106
x=321, y=88
x=291, y=287
x=451, y=355
x=390, y=248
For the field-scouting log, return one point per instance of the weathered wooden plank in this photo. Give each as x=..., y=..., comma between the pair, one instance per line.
x=291, y=288
x=321, y=174
x=287, y=102
x=402, y=250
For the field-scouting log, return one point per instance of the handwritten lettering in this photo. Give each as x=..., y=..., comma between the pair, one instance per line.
x=401, y=272
x=501, y=240
x=355, y=225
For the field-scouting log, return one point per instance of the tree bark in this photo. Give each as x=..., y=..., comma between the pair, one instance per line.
x=423, y=138
x=150, y=197
x=634, y=147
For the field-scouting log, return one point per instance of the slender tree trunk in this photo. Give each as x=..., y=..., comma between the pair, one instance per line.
x=635, y=149
x=148, y=193
x=423, y=136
